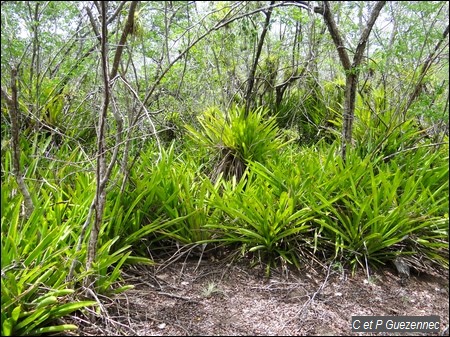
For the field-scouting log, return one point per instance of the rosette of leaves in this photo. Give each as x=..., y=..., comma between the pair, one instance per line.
x=236, y=139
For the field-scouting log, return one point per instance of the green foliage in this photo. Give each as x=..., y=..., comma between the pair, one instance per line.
x=262, y=221
x=386, y=134
x=364, y=212
x=312, y=110
x=237, y=138
x=369, y=211
x=35, y=255
x=37, y=252
x=389, y=198
x=169, y=200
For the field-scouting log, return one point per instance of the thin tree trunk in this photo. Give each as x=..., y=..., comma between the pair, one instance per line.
x=129, y=26
x=251, y=79
x=351, y=68
x=13, y=110
x=100, y=195
x=423, y=71
x=351, y=82
x=103, y=170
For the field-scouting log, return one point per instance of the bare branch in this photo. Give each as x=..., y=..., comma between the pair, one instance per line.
x=13, y=110
x=336, y=36
x=365, y=35
x=251, y=79
x=116, y=12
x=93, y=24
x=100, y=195
x=129, y=26
x=425, y=67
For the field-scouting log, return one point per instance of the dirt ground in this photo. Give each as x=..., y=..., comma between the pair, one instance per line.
x=210, y=297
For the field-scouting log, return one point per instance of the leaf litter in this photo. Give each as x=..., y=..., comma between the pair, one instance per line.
x=211, y=297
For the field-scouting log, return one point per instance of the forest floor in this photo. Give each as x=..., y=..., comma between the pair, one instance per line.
x=210, y=297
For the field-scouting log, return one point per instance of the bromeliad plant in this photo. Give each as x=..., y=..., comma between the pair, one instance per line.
x=37, y=251
x=370, y=213
x=366, y=211
x=34, y=253
x=261, y=221
x=237, y=138
x=168, y=200
x=386, y=135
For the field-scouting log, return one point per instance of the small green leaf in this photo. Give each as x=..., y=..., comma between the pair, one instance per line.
x=15, y=313
x=7, y=327
x=53, y=329
x=47, y=301
x=68, y=308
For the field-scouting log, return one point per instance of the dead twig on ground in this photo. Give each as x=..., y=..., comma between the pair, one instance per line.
x=311, y=299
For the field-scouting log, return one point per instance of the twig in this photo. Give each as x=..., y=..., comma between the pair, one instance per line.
x=311, y=299
x=147, y=113
x=188, y=299
x=413, y=148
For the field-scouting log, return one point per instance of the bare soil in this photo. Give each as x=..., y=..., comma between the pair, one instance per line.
x=210, y=297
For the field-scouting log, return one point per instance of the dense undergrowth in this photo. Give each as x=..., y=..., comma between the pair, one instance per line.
x=233, y=182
